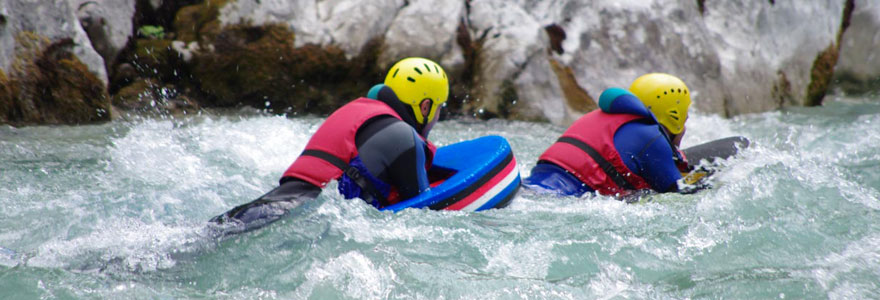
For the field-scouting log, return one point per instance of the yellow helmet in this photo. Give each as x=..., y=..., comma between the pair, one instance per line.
x=666, y=96
x=415, y=79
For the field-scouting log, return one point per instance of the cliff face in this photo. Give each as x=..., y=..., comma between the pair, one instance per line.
x=547, y=60
x=858, y=68
x=523, y=59
x=49, y=70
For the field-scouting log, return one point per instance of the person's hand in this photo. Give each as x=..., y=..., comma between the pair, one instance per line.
x=267, y=209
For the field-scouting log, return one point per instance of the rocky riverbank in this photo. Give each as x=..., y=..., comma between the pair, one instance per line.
x=80, y=61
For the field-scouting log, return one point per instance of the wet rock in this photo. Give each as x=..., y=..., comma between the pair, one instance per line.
x=425, y=29
x=757, y=40
x=55, y=20
x=858, y=68
x=610, y=44
x=108, y=24
x=156, y=58
x=526, y=59
x=146, y=96
x=137, y=95
x=259, y=66
x=51, y=74
x=820, y=76
x=512, y=39
x=737, y=57
x=345, y=24
x=8, y=93
x=199, y=22
x=51, y=86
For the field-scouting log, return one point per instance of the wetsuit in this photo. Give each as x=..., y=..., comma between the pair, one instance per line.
x=392, y=155
x=643, y=152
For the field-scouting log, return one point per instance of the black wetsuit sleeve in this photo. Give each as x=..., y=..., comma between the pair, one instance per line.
x=388, y=148
x=267, y=208
x=403, y=172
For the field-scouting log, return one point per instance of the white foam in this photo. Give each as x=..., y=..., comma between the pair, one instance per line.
x=351, y=273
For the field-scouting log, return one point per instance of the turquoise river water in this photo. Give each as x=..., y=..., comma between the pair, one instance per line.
x=118, y=211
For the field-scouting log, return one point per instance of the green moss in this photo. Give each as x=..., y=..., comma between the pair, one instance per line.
x=155, y=58
x=146, y=96
x=191, y=22
x=7, y=97
x=135, y=95
x=820, y=75
x=575, y=96
x=781, y=92
x=80, y=96
x=51, y=86
x=508, y=97
x=462, y=98
x=29, y=47
x=249, y=65
x=150, y=31
x=253, y=65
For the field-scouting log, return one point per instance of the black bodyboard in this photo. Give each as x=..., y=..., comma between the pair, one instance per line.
x=717, y=149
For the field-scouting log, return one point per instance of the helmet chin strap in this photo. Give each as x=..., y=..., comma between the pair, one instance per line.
x=427, y=127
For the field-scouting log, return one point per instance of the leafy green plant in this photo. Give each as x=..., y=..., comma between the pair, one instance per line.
x=150, y=31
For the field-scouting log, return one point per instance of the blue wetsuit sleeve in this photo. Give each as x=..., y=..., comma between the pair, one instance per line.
x=646, y=152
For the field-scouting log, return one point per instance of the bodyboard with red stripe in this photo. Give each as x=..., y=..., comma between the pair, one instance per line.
x=479, y=174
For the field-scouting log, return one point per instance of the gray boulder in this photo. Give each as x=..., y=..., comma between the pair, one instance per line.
x=737, y=57
x=858, y=69
x=54, y=20
x=769, y=53
x=344, y=23
x=49, y=72
x=425, y=28
x=108, y=24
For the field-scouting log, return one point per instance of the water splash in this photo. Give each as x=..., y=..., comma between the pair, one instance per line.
x=118, y=210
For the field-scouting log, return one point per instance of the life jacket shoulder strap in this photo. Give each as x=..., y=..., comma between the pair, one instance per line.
x=606, y=166
x=349, y=170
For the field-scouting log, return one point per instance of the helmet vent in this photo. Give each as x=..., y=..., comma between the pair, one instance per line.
x=395, y=73
x=436, y=68
x=410, y=79
x=417, y=70
x=427, y=68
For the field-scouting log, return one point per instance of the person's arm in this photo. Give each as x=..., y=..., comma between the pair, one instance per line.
x=667, y=173
x=267, y=208
x=658, y=168
x=393, y=152
x=646, y=152
x=408, y=172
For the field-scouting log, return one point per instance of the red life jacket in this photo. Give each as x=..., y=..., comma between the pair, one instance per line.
x=332, y=147
x=587, y=150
